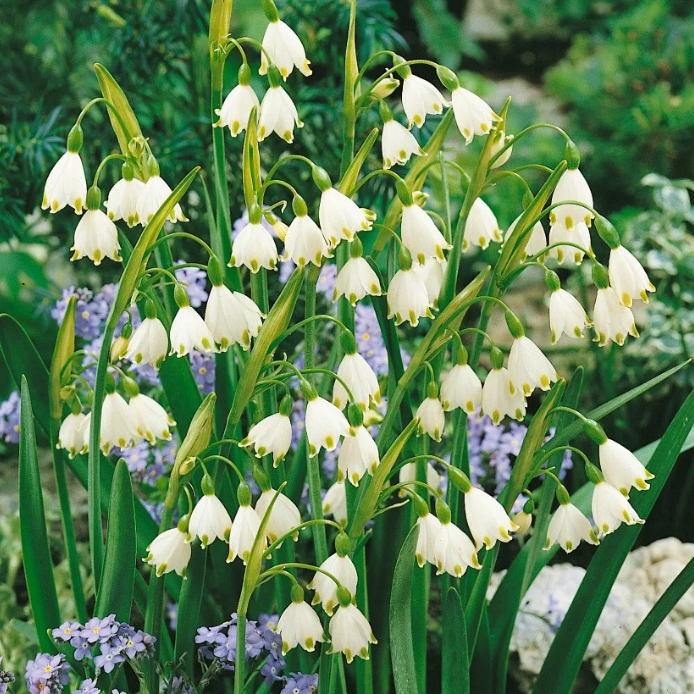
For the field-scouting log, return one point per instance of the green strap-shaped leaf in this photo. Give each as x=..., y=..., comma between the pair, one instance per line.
x=455, y=664
x=36, y=555
x=115, y=594
x=569, y=646
x=189, y=604
x=401, y=650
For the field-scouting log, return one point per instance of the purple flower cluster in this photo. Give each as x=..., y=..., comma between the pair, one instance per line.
x=105, y=641
x=218, y=644
x=148, y=463
x=88, y=687
x=195, y=281
x=178, y=685
x=9, y=419
x=370, y=340
x=202, y=366
x=297, y=683
x=91, y=311
x=5, y=679
x=47, y=674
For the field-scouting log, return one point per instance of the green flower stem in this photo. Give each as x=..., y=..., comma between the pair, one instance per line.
x=181, y=234
x=240, y=666
x=390, y=71
x=522, y=133
x=305, y=524
x=302, y=323
x=498, y=175
x=104, y=161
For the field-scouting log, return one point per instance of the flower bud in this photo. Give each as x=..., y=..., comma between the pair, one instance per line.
x=385, y=87
x=572, y=155
x=299, y=206
x=93, y=198
x=552, y=280
x=443, y=511
x=459, y=480
x=244, y=75
x=321, y=178
x=262, y=478
x=447, y=78
x=137, y=146
x=403, y=193
x=354, y=415
x=514, y=325
x=243, y=494
x=496, y=357
x=607, y=232
x=594, y=474
x=404, y=258
x=199, y=432
x=215, y=271
x=594, y=431
x=600, y=276
x=270, y=10
x=75, y=139
x=356, y=248
x=343, y=545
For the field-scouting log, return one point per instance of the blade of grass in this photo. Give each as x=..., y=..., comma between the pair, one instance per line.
x=455, y=664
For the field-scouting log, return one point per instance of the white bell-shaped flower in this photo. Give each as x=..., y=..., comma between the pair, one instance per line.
x=244, y=529
x=210, y=520
x=284, y=516
x=123, y=198
x=118, y=423
x=487, y=519
x=359, y=377
x=568, y=527
x=571, y=186
x=152, y=197
x=299, y=625
x=611, y=508
x=420, y=99
x=429, y=529
x=152, y=420
x=398, y=144
x=335, y=502
x=340, y=218
x=240, y=102
x=325, y=589
x=622, y=469
x=420, y=235
x=432, y=273
x=500, y=141
x=232, y=318
x=356, y=280
x=500, y=398
x=325, y=424
x=528, y=367
x=358, y=454
x=272, y=435
x=612, y=320
x=350, y=633
x=432, y=419
x=149, y=342
x=278, y=114
x=408, y=298
x=473, y=115
x=408, y=473
x=579, y=236
x=84, y=429
x=566, y=315
x=285, y=50
x=481, y=227
x=537, y=242
x=454, y=551
x=189, y=331
x=305, y=243
x=96, y=238
x=461, y=388
x=71, y=436
x=66, y=184
x=169, y=551
x=627, y=276
x=254, y=247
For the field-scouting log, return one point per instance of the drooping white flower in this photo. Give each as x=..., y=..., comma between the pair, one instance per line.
x=500, y=141
x=189, y=331
x=487, y=519
x=148, y=343
x=408, y=473
x=572, y=186
x=419, y=99
x=622, y=468
x=420, y=235
x=244, y=530
x=284, y=517
x=360, y=378
x=272, y=435
x=169, y=551
x=433, y=272
x=579, y=235
x=429, y=529
x=340, y=217
x=537, y=241
x=627, y=276
x=84, y=430
x=528, y=367
x=299, y=625
x=473, y=115
x=96, y=238
x=611, y=508
x=461, y=388
x=118, y=423
x=66, y=184
x=152, y=420
x=305, y=243
x=481, y=227
x=285, y=50
x=232, y=317
x=566, y=315
x=71, y=436
x=498, y=399
x=254, y=247
x=612, y=321
x=432, y=419
x=209, y=521
x=355, y=280
x=325, y=424
x=408, y=298
x=454, y=551
x=568, y=527
x=325, y=588
x=350, y=633
x=122, y=200
x=278, y=114
x=358, y=454
x=152, y=197
x=398, y=144
x=335, y=502
x=240, y=102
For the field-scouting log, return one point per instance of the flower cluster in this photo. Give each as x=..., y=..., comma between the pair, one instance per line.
x=47, y=674
x=9, y=418
x=6, y=678
x=297, y=683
